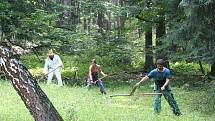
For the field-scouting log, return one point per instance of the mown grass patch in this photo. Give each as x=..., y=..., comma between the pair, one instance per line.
x=79, y=104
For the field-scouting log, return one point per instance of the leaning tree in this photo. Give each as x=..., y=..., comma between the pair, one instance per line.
x=25, y=22
x=27, y=87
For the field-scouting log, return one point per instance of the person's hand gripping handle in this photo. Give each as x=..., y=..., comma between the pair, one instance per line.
x=134, y=88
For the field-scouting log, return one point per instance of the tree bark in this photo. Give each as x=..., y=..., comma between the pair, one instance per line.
x=148, y=42
x=101, y=22
x=120, y=19
x=85, y=24
x=201, y=67
x=74, y=15
x=26, y=86
x=212, y=73
x=109, y=24
x=160, y=32
x=148, y=48
x=66, y=14
x=140, y=32
x=89, y=25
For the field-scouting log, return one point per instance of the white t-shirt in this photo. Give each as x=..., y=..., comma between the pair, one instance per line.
x=52, y=64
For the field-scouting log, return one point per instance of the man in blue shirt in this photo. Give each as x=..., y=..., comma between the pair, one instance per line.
x=162, y=76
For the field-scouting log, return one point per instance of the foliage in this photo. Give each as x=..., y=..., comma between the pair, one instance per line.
x=75, y=67
x=184, y=68
x=138, y=62
x=113, y=40
x=31, y=61
x=191, y=35
x=22, y=20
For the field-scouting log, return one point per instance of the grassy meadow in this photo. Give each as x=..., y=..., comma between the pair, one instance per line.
x=79, y=104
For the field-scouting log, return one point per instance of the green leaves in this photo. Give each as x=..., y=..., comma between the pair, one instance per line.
x=192, y=37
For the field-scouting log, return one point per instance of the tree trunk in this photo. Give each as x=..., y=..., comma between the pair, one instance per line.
x=160, y=32
x=212, y=73
x=148, y=48
x=201, y=67
x=89, y=25
x=66, y=14
x=85, y=24
x=120, y=19
x=140, y=32
x=109, y=24
x=74, y=15
x=148, y=42
x=30, y=92
x=101, y=22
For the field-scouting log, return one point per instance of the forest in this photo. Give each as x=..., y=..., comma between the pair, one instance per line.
x=100, y=54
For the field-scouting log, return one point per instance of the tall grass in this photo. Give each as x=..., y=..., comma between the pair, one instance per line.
x=78, y=104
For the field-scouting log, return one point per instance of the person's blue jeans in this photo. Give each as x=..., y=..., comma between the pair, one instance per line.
x=99, y=83
x=169, y=98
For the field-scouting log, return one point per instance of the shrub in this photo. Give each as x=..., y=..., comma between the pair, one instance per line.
x=187, y=68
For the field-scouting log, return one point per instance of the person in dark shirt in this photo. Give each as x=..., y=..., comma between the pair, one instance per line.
x=161, y=76
x=94, y=71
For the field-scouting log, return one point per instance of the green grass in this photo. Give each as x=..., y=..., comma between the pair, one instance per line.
x=78, y=104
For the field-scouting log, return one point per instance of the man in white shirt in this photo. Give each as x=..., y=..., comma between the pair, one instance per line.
x=53, y=65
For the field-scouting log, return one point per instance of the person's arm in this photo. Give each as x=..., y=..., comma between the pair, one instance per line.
x=45, y=69
x=101, y=71
x=137, y=84
x=142, y=80
x=166, y=83
x=90, y=74
x=60, y=63
x=168, y=77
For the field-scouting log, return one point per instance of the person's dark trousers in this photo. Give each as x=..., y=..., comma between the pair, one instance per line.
x=169, y=98
x=101, y=87
x=99, y=83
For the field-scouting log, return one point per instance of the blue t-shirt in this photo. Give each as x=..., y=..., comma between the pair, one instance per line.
x=160, y=77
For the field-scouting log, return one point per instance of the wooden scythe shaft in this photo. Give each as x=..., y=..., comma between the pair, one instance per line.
x=143, y=94
x=48, y=73
x=133, y=90
x=116, y=95
x=109, y=75
x=52, y=71
x=99, y=79
x=150, y=94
